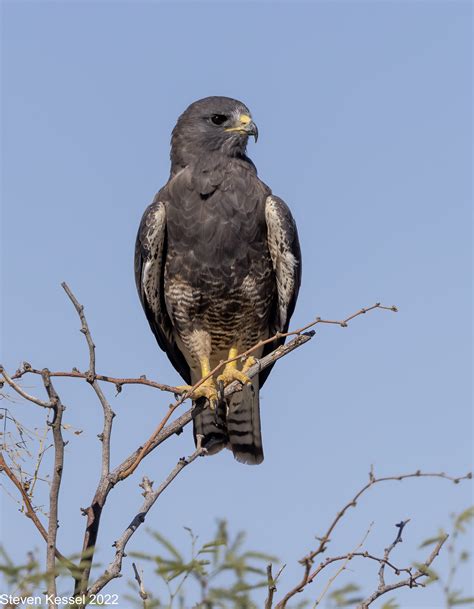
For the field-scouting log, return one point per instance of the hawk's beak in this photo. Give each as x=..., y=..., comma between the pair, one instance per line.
x=246, y=126
x=252, y=129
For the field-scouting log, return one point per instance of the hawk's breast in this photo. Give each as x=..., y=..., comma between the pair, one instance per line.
x=218, y=272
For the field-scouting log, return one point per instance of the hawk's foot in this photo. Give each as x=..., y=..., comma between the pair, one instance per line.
x=207, y=390
x=230, y=374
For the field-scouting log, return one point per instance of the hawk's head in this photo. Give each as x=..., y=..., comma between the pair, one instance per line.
x=211, y=125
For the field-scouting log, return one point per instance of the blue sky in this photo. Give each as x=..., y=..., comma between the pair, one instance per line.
x=364, y=113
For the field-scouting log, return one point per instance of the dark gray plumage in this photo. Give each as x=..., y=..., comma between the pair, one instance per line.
x=217, y=266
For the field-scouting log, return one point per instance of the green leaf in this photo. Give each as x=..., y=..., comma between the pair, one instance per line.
x=390, y=604
x=167, y=544
x=430, y=573
x=455, y=598
x=260, y=556
x=432, y=540
x=345, y=589
x=464, y=518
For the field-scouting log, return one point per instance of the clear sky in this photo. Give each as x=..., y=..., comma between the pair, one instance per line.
x=364, y=113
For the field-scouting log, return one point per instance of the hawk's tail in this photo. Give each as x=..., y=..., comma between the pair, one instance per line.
x=243, y=424
x=210, y=424
x=236, y=426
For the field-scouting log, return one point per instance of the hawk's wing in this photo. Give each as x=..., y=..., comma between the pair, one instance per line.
x=285, y=253
x=150, y=255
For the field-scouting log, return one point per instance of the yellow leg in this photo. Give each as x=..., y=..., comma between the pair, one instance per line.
x=231, y=372
x=207, y=389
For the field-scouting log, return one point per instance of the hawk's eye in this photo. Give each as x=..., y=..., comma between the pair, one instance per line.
x=218, y=119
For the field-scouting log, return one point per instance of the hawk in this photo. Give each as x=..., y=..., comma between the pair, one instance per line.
x=218, y=269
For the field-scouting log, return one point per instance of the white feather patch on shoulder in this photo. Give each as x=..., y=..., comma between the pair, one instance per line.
x=283, y=259
x=152, y=241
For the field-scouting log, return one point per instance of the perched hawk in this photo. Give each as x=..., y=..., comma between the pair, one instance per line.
x=218, y=268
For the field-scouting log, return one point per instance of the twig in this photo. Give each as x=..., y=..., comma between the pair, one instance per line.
x=308, y=560
x=141, y=586
x=117, y=381
x=398, y=539
x=22, y=392
x=55, y=484
x=114, y=568
x=411, y=581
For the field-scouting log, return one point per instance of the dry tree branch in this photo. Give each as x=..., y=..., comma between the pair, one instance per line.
x=411, y=581
x=55, y=483
x=22, y=392
x=117, y=381
x=398, y=539
x=94, y=511
x=114, y=569
x=308, y=560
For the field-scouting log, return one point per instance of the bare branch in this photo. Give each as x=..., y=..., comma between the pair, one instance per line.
x=55, y=483
x=398, y=539
x=410, y=582
x=114, y=568
x=22, y=392
x=117, y=381
x=84, y=329
x=95, y=509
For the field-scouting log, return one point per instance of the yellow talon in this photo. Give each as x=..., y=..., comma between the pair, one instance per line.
x=232, y=373
x=207, y=389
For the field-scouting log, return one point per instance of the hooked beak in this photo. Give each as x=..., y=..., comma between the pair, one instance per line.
x=246, y=126
x=252, y=129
